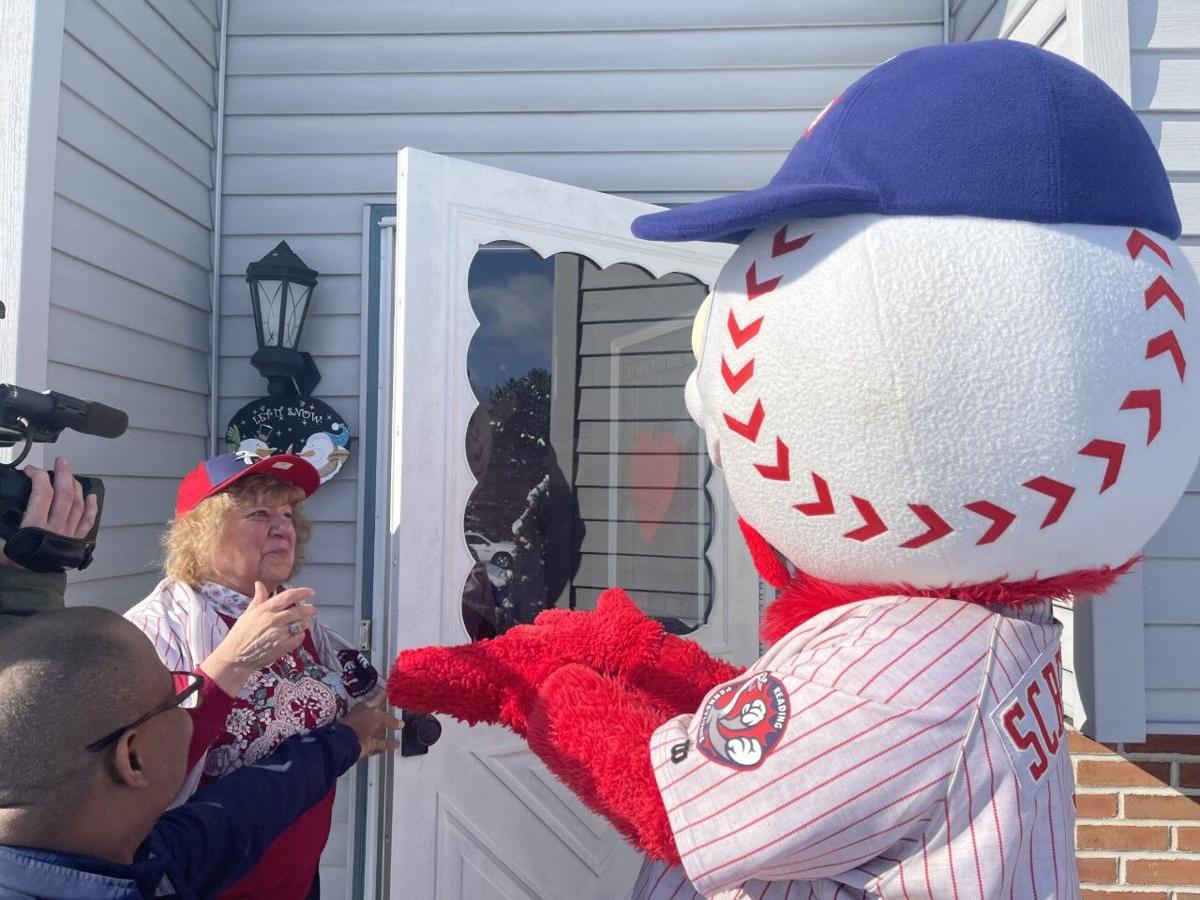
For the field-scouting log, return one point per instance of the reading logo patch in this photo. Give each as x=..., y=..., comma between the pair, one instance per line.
x=742, y=723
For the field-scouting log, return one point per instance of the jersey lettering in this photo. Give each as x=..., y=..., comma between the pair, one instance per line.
x=1031, y=717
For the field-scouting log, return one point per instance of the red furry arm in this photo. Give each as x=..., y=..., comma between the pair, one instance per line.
x=594, y=734
x=495, y=680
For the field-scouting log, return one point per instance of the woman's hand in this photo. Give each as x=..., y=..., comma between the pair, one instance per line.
x=374, y=725
x=269, y=628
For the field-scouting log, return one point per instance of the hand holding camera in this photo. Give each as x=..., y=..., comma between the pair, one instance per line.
x=58, y=507
x=48, y=521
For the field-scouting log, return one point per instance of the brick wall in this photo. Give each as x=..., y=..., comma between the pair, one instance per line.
x=1137, y=809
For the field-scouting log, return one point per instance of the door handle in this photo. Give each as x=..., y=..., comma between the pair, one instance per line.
x=420, y=732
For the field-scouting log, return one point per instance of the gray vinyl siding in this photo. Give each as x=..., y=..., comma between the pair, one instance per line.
x=620, y=397
x=1165, y=69
x=130, y=263
x=1040, y=22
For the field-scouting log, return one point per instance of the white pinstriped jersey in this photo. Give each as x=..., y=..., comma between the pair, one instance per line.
x=899, y=747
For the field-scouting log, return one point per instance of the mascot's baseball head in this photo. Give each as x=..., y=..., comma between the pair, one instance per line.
x=957, y=344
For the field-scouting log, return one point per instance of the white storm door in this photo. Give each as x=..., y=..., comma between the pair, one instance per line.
x=539, y=452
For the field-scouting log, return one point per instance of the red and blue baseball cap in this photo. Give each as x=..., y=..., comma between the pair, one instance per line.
x=997, y=129
x=217, y=474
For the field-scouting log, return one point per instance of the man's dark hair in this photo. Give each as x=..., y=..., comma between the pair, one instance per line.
x=67, y=678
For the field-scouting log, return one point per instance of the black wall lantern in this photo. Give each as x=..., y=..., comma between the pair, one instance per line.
x=281, y=286
x=289, y=420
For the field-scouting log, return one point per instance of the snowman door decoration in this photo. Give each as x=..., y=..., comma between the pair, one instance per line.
x=949, y=376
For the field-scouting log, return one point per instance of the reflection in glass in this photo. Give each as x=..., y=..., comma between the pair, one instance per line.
x=590, y=473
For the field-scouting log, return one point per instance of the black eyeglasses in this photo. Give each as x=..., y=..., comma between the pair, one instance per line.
x=195, y=682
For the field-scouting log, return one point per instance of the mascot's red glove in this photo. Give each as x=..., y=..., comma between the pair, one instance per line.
x=587, y=689
x=497, y=680
x=594, y=732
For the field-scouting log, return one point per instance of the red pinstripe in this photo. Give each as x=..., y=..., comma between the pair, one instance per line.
x=992, y=789
x=917, y=643
x=925, y=856
x=708, y=765
x=1003, y=667
x=781, y=776
x=971, y=823
x=811, y=652
x=809, y=862
x=1053, y=841
x=937, y=659
x=899, y=868
x=1030, y=657
x=992, y=687
x=950, y=848
x=882, y=640
x=971, y=666
x=831, y=810
x=1016, y=659
x=1032, y=832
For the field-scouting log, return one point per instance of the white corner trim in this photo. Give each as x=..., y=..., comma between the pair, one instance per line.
x=1110, y=660
x=31, y=65
x=1109, y=631
x=1102, y=40
x=214, y=305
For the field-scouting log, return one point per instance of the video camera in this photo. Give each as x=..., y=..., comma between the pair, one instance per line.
x=29, y=417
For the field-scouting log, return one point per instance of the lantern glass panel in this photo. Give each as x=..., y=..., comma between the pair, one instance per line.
x=270, y=298
x=297, y=305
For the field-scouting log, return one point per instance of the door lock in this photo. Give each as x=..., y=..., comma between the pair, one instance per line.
x=420, y=732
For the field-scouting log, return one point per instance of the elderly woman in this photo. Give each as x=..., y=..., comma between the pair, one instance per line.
x=239, y=531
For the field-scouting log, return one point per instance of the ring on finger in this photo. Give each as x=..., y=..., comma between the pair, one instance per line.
x=294, y=628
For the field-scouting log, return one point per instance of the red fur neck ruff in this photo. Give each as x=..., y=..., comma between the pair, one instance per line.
x=803, y=596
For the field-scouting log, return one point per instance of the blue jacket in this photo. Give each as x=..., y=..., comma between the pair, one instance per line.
x=197, y=849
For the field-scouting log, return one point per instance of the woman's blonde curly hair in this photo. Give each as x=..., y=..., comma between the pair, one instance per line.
x=191, y=540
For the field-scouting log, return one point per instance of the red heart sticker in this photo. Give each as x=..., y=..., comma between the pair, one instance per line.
x=653, y=477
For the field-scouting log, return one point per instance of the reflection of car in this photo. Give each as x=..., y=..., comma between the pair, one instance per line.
x=498, y=553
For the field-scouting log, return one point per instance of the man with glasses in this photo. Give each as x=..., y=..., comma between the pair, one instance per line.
x=93, y=748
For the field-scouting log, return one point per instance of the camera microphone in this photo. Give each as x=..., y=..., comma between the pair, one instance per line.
x=53, y=412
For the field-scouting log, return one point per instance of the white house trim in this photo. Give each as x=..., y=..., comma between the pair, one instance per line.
x=1110, y=629
x=31, y=40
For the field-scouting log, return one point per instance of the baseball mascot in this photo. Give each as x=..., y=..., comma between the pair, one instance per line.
x=950, y=376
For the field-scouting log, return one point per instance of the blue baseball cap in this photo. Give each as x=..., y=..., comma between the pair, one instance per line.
x=997, y=129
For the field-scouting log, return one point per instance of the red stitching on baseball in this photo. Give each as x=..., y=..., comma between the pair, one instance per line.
x=823, y=505
x=756, y=288
x=1137, y=241
x=873, y=525
x=782, y=245
x=1160, y=288
x=1001, y=519
x=749, y=428
x=781, y=470
x=936, y=527
x=1167, y=343
x=1113, y=452
x=742, y=335
x=1151, y=401
x=1061, y=493
x=736, y=380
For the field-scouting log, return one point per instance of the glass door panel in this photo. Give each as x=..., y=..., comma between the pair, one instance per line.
x=590, y=474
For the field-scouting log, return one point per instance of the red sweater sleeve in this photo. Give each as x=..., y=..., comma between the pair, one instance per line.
x=208, y=718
